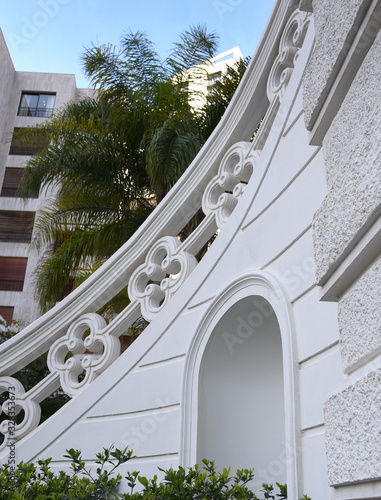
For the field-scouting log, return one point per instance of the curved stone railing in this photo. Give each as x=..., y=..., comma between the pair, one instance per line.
x=154, y=263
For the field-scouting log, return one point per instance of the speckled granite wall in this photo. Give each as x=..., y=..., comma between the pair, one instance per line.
x=360, y=319
x=352, y=150
x=334, y=27
x=353, y=432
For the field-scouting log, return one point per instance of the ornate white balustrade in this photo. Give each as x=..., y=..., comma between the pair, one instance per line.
x=154, y=263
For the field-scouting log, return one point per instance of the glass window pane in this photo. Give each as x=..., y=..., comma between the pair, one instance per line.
x=29, y=100
x=46, y=101
x=36, y=104
x=28, y=104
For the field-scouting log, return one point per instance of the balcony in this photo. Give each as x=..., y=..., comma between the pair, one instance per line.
x=39, y=112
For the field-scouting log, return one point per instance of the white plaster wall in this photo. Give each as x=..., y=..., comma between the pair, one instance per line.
x=136, y=403
x=314, y=480
x=316, y=323
x=318, y=378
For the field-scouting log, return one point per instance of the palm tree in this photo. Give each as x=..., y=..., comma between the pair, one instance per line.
x=113, y=157
x=101, y=192
x=159, y=93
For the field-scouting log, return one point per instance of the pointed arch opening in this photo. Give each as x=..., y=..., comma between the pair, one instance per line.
x=241, y=415
x=239, y=386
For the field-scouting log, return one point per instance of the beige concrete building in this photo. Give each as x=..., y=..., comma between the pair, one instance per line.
x=203, y=76
x=25, y=99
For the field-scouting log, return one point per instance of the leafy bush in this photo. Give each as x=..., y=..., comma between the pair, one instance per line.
x=38, y=482
x=195, y=483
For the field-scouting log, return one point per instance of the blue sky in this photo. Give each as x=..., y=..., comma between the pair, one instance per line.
x=50, y=35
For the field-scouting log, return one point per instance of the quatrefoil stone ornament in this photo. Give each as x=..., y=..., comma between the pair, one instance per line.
x=87, y=350
x=289, y=46
x=165, y=269
x=16, y=402
x=224, y=190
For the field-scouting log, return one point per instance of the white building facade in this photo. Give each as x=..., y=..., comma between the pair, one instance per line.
x=265, y=353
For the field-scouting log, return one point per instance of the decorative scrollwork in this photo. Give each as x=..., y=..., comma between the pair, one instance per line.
x=16, y=403
x=83, y=353
x=224, y=190
x=289, y=45
x=165, y=269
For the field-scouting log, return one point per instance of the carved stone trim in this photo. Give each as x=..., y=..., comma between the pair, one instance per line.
x=165, y=269
x=289, y=45
x=15, y=403
x=79, y=353
x=224, y=190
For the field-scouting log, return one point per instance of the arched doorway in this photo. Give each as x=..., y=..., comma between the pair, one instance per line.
x=241, y=408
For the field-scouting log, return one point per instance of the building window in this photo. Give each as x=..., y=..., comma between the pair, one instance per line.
x=12, y=181
x=22, y=145
x=6, y=312
x=214, y=77
x=16, y=226
x=12, y=273
x=35, y=104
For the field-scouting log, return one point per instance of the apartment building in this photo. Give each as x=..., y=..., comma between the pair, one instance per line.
x=26, y=99
x=203, y=76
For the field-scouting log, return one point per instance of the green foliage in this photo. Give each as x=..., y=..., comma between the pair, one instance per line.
x=196, y=483
x=220, y=95
x=37, y=481
x=101, y=192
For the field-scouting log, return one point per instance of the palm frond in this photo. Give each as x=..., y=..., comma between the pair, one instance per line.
x=220, y=95
x=195, y=46
x=102, y=65
x=168, y=155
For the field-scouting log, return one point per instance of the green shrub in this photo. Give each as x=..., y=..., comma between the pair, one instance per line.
x=38, y=482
